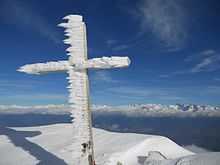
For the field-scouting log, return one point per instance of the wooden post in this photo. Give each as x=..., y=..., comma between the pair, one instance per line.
x=90, y=157
x=91, y=154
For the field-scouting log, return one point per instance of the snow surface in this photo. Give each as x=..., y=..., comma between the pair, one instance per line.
x=53, y=144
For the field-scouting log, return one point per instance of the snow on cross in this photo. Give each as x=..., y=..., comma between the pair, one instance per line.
x=77, y=66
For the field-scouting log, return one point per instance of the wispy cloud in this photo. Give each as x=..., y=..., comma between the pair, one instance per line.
x=198, y=56
x=23, y=84
x=145, y=93
x=110, y=42
x=102, y=76
x=40, y=96
x=195, y=149
x=9, y=83
x=208, y=60
x=133, y=44
x=33, y=98
x=165, y=20
x=19, y=14
x=121, y=47
x=217, y=79
x=163, y=75
x=138, y=91
x=214, y=90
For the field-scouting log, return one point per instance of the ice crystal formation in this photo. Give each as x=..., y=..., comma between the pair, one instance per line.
x=77, y=67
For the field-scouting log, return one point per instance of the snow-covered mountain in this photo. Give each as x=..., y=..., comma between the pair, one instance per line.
x=159, y=107
x=179, y=110
x=134, y=110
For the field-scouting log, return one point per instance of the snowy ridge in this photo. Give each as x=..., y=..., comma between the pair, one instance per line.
x=151, y=110
x=128, y=148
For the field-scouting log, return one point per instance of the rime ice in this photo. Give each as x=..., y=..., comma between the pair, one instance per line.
x=77, y=67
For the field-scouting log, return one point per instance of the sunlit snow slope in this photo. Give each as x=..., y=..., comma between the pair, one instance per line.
x=53, y=144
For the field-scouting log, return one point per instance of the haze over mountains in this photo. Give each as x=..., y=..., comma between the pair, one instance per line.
x=152, y=110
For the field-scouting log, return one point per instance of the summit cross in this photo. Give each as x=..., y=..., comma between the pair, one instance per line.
x=77, y=67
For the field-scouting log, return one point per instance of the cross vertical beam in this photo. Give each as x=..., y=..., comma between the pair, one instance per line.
x=91, y=160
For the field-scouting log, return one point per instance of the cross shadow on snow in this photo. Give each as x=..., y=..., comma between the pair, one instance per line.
x=28, y=120
x=18, y=138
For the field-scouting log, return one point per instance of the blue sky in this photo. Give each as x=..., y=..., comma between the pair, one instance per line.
x=174, y=47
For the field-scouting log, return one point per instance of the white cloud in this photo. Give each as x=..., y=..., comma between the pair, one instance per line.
x=9, y=83
x=22, y=83
x=111, y=42
x=171, y=97
x=121, y=47
x=144, y=93
x=207, y=64
x=199, y=55
x=213, y=90
x=208, y=60
x=166, y=20
x=102, y=76
x=163, y=75
x=195, y=149
x=114, y=127
x=138, y=91
x=217, y=79
x=21, y=15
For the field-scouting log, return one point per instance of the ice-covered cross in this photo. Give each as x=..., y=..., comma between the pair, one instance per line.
x=77, y=67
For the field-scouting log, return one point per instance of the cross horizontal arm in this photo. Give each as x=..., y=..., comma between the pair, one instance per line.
x=43, y=68
x=106, y=63
x=64, y=66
